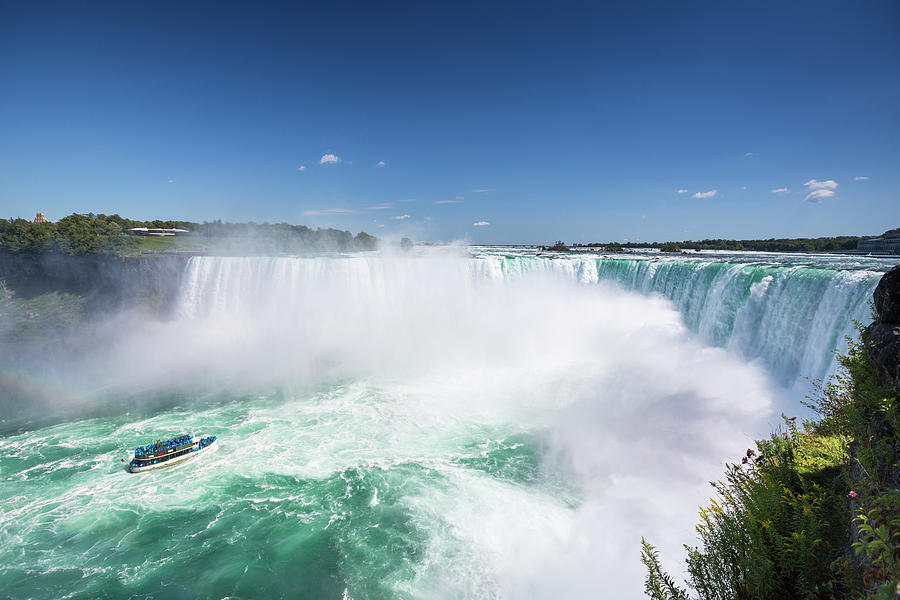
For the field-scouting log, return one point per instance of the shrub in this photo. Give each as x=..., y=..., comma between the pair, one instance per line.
x=813, y=512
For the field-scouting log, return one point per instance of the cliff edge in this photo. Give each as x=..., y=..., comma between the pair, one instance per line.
x=882, y=338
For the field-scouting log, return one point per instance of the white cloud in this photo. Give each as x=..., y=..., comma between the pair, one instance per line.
x=480, y=224
x=861, y=178
x=301, y=168
x=819, y=190
x=328, y=159
x=401, y=217
x=828, y=184
x=318, y=212
x=816, y=196
x=482, y=190
x=380, y=164
x=708, y=194
x=681, y=191
x=781, y=190
x=447, y=201
x=748, y=154
x=171, y=181
x=744, y=187
x=385, y=206
x=460, y=197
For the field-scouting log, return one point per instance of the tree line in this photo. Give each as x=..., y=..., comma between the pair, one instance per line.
x=822, y=244
x=80, y=234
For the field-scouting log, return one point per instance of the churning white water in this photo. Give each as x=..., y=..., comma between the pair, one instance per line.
x=429, y=425
x=789, y=316
x=632, y=415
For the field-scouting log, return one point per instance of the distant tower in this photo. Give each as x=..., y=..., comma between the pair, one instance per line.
x=40, y=218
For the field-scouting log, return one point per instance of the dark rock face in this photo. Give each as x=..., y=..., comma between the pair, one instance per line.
x=107, y=282
x=887, y=297
x=883, y=339
x=883, y=348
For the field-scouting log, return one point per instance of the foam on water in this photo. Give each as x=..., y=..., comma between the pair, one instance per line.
x=439, y=426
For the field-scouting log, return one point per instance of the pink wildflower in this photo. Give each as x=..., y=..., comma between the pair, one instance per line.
x=851, y=495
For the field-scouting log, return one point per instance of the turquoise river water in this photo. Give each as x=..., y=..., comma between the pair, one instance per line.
x=477, y=422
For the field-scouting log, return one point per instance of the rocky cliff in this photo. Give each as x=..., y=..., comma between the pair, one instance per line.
x=105, y=282
x=882, y=337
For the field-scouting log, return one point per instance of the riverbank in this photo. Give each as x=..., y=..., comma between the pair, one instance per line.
x=814, y=511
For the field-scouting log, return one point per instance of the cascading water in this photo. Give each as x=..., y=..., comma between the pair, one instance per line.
x=501, y=425
x=792, y=318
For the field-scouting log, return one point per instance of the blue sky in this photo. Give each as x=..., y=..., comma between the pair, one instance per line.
x=573, y=121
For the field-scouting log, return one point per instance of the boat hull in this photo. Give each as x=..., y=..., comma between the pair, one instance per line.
x=174, y=461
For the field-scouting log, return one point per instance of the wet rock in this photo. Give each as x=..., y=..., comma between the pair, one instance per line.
x=887, y=297
x=883, y=348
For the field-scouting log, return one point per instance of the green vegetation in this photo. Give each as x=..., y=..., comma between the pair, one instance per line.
x=610, y=247
x=110, y=234
x=168, y=244
x=822, y=244
x=278, y=238
x=31, y=321
x=75, y=234
x=670, y=247
x=813, y=512
x=559, y=246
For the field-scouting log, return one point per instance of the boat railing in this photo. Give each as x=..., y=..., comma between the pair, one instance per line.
x=174, y=452
x=164, y=446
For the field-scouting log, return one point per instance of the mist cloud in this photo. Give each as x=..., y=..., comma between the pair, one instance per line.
x=633, y=415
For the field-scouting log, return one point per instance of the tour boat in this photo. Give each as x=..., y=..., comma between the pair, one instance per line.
x=166, y=453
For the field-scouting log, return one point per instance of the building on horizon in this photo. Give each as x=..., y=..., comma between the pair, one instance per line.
x=40, y=218
x=157, y=232
x=889, y=243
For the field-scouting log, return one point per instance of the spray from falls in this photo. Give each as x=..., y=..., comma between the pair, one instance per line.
x=791, y=318
x=445, y=427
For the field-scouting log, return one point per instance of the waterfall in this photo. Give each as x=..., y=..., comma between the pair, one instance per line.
x=791, y=318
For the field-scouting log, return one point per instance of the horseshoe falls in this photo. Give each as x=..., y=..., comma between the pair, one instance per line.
x=789, y=316
x=448, y=423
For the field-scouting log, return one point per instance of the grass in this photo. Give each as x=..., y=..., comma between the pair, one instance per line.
x=172, y=243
